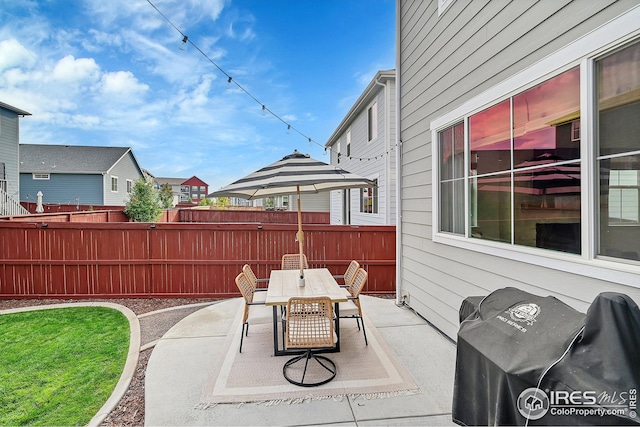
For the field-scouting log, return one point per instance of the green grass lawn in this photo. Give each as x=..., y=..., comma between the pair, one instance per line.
x=59, y=366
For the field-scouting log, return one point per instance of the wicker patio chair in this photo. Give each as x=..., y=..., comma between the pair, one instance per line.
x=254, y=312
x=310, y=327
x=259, y=294
x=349, y=274
x=352, y=308
x=292, y=261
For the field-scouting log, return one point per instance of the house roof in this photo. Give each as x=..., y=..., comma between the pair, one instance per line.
x=170, y=181
x=194, y=180
x=69, y=158
x=14, y=109
x=361, y=103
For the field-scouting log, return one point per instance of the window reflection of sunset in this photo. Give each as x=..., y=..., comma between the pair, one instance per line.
x=535, y=112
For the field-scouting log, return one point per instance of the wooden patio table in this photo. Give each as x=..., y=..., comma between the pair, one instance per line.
x=283, y=284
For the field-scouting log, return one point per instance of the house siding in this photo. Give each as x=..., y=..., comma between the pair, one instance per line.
x=9, y=131
x=62, y=188
x=443, y=62
x=125, y=168
x=373, y=159
x=310, y=202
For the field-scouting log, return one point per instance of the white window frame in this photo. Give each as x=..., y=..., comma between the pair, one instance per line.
x=583, y=52
x=129, y=186
x=376, y=191
x=348, y=137
x=41, y=176
x=114, y=179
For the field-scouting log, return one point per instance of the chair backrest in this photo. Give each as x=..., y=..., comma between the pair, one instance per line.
x=350, y=274
x=245, y=286
x=309, y=322
x=292, y=261
x=358, y=282
x=246, y=269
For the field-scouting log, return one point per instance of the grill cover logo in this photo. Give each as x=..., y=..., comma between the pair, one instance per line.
x=525, y=313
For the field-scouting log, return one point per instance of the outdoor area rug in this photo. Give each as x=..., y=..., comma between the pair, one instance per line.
x=255, y=375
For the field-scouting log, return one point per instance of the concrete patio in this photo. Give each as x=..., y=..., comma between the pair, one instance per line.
x=177, y=372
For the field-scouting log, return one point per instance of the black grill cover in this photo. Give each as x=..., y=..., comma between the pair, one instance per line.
x=606, y=360
x=515, y=338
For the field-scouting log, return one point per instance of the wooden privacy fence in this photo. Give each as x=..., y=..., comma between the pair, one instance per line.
x=113, y=260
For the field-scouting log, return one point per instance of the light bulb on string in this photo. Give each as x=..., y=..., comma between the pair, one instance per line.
x=264, y=110
x=288, y=129
x=183, y=44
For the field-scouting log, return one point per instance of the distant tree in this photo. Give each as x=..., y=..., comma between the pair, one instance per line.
x=166, y=196
x=206, y=202
x=144, y=204
x=222, y=202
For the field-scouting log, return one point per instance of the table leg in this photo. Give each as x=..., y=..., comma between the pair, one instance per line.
x=337, y=314
x=275, y=330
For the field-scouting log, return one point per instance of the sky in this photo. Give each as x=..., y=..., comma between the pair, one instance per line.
x=116, y=73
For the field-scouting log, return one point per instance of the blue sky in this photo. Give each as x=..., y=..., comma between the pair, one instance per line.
x=96, y=72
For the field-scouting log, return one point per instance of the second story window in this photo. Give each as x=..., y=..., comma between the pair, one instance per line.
x=129, y=186
x=348, y=142
x=114, y=184
x=372, y=122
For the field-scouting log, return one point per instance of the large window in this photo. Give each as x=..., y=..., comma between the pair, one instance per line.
x=618, y=160
x=516, y=171
x=524, y=169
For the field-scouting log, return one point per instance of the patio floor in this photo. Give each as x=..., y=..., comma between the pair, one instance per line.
x=177, y=372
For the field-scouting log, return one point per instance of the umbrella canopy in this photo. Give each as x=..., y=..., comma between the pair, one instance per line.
x=296, y=173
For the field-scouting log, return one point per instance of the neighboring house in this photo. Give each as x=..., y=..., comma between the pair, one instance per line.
x=365, y=143
x=319, y=202
x=9, y=170
x=185, y=189
x=520, y=135
x=81, y=175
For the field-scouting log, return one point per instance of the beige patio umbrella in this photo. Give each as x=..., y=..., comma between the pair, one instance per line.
x=298, y=174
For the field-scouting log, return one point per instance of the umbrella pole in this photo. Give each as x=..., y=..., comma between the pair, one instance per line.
x=300, y=234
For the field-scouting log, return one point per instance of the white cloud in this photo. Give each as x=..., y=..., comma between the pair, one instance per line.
x=72, y=70
x=122, y=83
x=13, y=54
x=83, y=121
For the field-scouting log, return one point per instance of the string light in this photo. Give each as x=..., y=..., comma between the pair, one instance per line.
x=230, y=80
x=183, y=45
